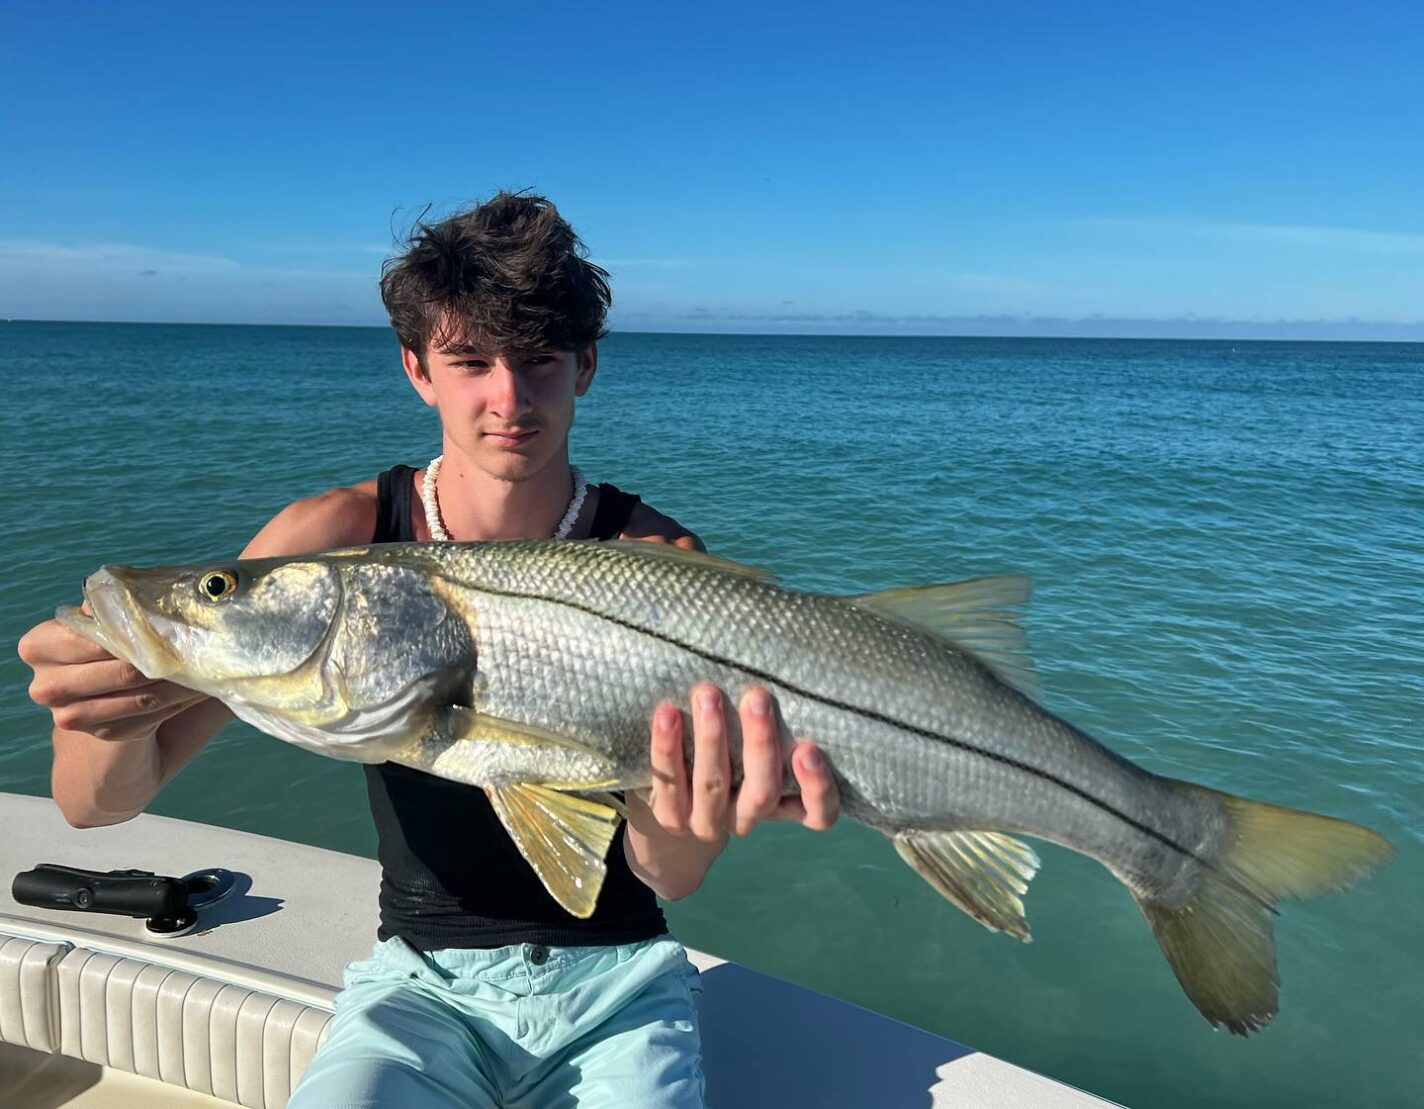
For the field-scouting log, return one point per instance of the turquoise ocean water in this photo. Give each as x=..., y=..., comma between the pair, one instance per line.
x=1227, y=542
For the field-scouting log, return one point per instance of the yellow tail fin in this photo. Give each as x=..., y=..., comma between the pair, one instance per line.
x=1219, y=943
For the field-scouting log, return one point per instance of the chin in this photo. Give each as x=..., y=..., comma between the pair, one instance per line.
x=508, y=466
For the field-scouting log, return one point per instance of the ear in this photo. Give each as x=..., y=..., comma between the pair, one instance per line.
x=418, y=376
x=587, y=367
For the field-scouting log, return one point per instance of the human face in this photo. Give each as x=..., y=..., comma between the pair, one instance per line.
x=509, y=414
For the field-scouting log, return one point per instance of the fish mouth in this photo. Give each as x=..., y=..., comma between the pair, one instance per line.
x=117, y=624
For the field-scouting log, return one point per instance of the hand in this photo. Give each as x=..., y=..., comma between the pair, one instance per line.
x=88, y=690
x=652, y=526
x=703, y=804
x=681, y=826
x=687, y=541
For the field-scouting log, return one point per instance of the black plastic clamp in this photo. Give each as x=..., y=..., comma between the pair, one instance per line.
x=171, y=905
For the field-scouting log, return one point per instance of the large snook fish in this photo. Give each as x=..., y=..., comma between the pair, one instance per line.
x=531, y=669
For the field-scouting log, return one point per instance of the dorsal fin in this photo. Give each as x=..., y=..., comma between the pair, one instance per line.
x=646, y=549
x=973, y=615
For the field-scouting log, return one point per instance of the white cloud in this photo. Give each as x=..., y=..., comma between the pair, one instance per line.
x=713, y=318
x=107, y=256
x=116, y=281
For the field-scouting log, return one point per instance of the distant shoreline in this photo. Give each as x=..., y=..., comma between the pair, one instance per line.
x=1211, y=331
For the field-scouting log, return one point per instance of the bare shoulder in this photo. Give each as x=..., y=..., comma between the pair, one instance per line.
x=646, y=522
x=341, y=517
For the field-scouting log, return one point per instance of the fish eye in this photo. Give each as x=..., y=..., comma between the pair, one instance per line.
x=216, y=585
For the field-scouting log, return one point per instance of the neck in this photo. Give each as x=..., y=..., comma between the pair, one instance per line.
x=477, y=506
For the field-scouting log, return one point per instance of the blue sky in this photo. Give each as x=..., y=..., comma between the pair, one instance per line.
x=1133, y=168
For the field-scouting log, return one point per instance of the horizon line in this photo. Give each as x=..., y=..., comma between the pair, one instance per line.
x=1087, y=321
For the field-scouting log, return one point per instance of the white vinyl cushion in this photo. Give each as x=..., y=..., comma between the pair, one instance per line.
x=235, y=1043
x=28, y=1008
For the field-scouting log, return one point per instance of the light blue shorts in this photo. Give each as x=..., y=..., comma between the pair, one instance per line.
x=526, y=1026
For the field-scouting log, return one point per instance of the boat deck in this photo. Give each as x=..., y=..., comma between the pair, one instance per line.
x=94, y=1012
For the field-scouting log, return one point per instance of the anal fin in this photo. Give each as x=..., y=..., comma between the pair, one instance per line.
x=563, y=836
x=983, y=873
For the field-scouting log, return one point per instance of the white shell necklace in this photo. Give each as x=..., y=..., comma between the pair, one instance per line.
x=436, y=525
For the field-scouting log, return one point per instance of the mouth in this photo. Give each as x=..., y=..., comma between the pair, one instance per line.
x=512, y=437
x=118, y=626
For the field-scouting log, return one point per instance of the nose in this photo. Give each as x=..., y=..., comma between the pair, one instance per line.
x=511, y=392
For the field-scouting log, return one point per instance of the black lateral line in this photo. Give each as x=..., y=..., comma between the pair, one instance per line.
x=868, y=714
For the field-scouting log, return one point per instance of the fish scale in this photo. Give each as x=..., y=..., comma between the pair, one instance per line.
x=821, y=698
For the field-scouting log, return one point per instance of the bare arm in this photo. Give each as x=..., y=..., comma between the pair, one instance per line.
x=119, y=737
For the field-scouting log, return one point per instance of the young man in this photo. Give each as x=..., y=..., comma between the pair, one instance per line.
x=482, y=990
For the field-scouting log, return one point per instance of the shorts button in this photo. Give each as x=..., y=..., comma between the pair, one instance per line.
x=538, y=954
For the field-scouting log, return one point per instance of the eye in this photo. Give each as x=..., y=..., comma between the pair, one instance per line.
x=217, y=585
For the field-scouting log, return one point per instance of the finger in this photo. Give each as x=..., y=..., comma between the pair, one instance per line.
x=55, y=686
x=53, y=643
x=760, y=790
x=669, y=793
x=686, y=542
x=711, y=764
x=110, y=714
x=820, y=799
x=130, y=727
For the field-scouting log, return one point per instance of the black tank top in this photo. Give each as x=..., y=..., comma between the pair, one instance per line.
x=450, y=875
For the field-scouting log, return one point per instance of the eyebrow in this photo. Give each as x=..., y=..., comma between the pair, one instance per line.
x=463, y=351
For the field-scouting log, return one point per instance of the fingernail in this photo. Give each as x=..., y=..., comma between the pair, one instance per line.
x=813, y=760
x=708, y=700
x=758, y=703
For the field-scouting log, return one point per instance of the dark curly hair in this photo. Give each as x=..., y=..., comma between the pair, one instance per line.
x=505, y=276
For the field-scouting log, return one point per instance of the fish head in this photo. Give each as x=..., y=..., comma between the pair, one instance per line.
x=216, y=627
x=346, y=652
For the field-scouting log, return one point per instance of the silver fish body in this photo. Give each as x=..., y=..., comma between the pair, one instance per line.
x=920, y=734
x=531, y=669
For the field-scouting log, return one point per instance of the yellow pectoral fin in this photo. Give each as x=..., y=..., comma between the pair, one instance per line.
x=564, y=837
x=466, y=723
